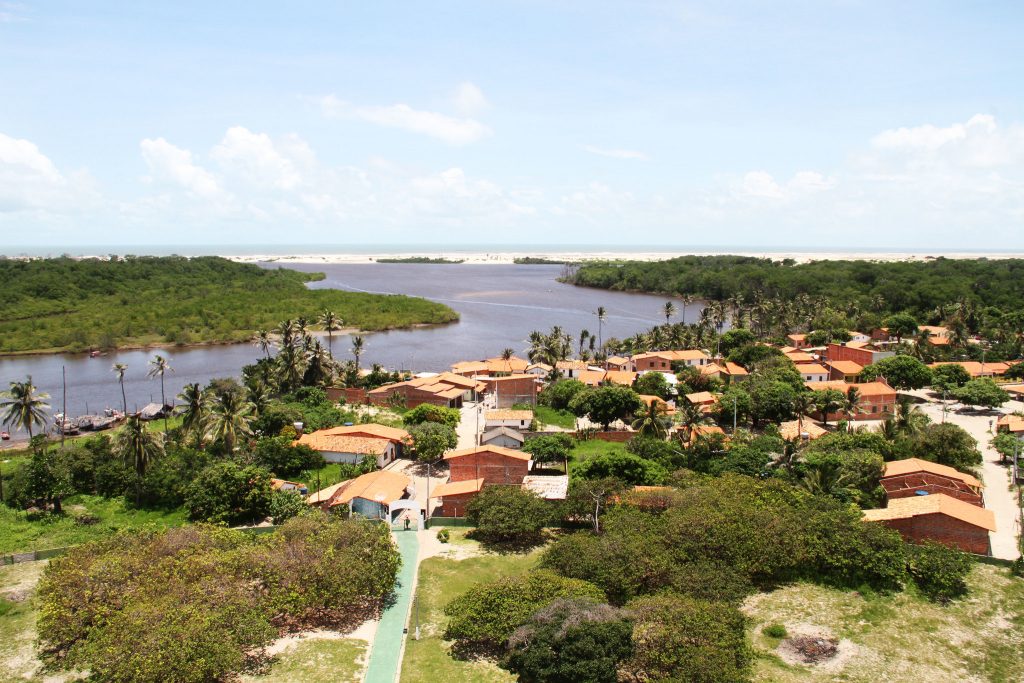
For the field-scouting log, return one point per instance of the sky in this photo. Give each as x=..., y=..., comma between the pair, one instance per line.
x=789, y=124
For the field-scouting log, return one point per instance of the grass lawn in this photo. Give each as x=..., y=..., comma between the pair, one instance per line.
x=18, y=622
x=585, y=450
x=441, y=580
x=317, y=659
x=558, y=418
x=19, y=533
x=900, y=637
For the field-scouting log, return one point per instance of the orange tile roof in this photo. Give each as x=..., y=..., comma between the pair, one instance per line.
x=797, y=337
x=974, y=368
x=278, y=484
x=497, y=450
x=591, y=377
x=898, y=468
x=847, y=367
x=617, y=360
x=791, y=430
x=624, y=377
x=935, y=503
x=509, y=415
x=371, y=430
x=699, y=397
x=735, y=368
x=1012, y=423
x=360, y=445
x=866, y=388
x=455, y=488
x=648, y=400
x=800, y=357
x=382, y=486
x=812, y=369
x=513, y=364
x=684, y=354
x=571, y=365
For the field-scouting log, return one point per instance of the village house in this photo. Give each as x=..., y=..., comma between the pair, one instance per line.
x=668, y=407
x=1012, y=424
x=370, y=495
x=285, y=485
x=976, y=369
x=662, y=360
x=938, y=517
x=937, y=334
x=859, y=337
x=541, y=370
x=619, y=363
x=802, y=430
x=592, y=378
x=502, y=436
x=490, y=367
x=725, y=371
x=351, y=444
x=911, y=477
x=445, y=389
x=813, y=372
x=861, y=353
x=621, y=377
x=797, y=341
x=844, y=370
x=505, y=392
x=704, y=431
x=469, y=470
x=571, y=369
x=705, y=399
x=877, y=400
x=513, y=419
x=799, y=357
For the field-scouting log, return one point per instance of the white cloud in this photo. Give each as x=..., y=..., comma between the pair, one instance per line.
x=469, y=100
x=615, y=153
x=453, y=130
x=762, y=185
x=256, y=159
x=30, y=181
x=174, y=165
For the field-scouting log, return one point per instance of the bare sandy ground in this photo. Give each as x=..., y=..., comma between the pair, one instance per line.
x=503, y=257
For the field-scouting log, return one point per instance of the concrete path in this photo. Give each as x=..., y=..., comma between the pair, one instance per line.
x=999, y=498
x=389, y=643
x=472, y=417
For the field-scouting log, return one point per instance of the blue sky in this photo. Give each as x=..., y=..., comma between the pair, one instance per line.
x=790, y=124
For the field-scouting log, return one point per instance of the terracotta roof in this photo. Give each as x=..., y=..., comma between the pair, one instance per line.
x=591, y=377
x=513, y=364
x=865, y=388
x=497, y=450
x=455, y=488
x=571, y=365
x=684, y=354
x=278, y=484
x=706, y=430
x=701, y=397
x=797, y=337
x=935, y=503
x=382, y=486
x=812, y=369
x=800, y=357
x=976, y=369
x=934, y=330
x=648, y=400
x=539, y=366
x=509, y=415
x=509, y=378
x=847, y=367
x=360, y=445
x=898, y=468
x=624, y=377
x=735, y=368
x=617, y=360
x=470, y=367
x=369, y=430
x=857, y=345
x=791, y=430
x=1012, y=423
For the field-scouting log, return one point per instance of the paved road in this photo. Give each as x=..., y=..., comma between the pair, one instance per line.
x=389, y=643
x=998, y=496
x=472, y=417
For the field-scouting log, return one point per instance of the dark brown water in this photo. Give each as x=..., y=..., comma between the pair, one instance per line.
x=499, y=306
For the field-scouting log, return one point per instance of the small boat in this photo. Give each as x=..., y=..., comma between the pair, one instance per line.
x=94, y=354
x=5, y=436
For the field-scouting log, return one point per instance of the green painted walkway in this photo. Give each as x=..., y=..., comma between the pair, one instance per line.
x=386, y=655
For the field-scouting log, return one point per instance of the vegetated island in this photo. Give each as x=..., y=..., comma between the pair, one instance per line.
x=69, y=305
x=541, y=261
x=883, y=287
x=420, y=259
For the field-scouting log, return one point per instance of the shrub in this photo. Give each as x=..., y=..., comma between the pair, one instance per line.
x=283, y=457
x=626, y=467
x=570, y=641
x=775, y=631
x=508, y=514
x=561, y=393
x=443, y=535
x=286, y=504
x=425, y=412
x=485, y=617
x=676, y=638
x=939, y=571
x=229, y=493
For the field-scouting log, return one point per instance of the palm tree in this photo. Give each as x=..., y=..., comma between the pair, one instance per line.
x=357, y=348
x=119, y=369
x=286, y=330
x=331, y=323
x=263, y=341
x=230, y=418
x=669, y=310
x=291, y=365
x=258, y=395
x=653, y=421
x=584, y=336
x=507, y=354
x=829, y=401
x=193, y=418
x=319, y=366
x=851, y=405
x=138, y=447
x=158, y=368
x=602, y=315
x=909, y=419
x=826, y=478
x=690, y=417
x=803, y=403
x=686, y=300
x=24, y=406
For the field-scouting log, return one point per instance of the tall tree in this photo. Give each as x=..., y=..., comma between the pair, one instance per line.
x=330, y=322
x=24, y=406
x=358, y=345
x=196, y=412
x=158, y=367
x=263, y=341
x=230, y=418
x=119, y=369
x=652, y=421
x=668, y=310
x=138, y=447
x=686, y=300
x=602, y=315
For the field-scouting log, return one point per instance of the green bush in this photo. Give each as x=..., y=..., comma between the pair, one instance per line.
x=284, y=458
x=939, y=571
x=230, y=493
x=508, y=514
x=425, y=412
x=443, y=535
x=775, y=631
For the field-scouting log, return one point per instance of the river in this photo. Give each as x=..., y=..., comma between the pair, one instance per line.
x=499, y=305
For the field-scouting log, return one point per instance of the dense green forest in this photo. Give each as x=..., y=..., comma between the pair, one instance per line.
x=69, y=304
x=919, y=287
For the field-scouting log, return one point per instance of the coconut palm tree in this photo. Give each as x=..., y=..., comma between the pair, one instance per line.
x=230, y=418
x=196, y=412
x=653, y=421
x=258, y=395
x=690, y=417
x=291, y=366
x=358, y=345
x=827, y=478
x=584, y=336
x=119, y=369
x=138, y=447
x=24, y=406
x=330, y=323
x=286, y=331
x=263, y=341
x=803, y=403
x=319, y=366
x=686, y=300
x=909, y=418
x=668, y=310
x=851, y=406
x=602, y=315
x=158, y=368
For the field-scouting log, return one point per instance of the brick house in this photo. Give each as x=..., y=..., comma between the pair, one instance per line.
x=813, y=372
x=515, y=419
x=859, y=352
x=797, y=341
x=906, y=478
x=353, y=443
x=844, y=370
x=938, y=517
x=446, y=389
x=507, y=391
x=877, y=400
x=662, y=360
x=473, y=468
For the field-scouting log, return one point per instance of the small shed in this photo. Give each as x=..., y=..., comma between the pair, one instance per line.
x=504, y=437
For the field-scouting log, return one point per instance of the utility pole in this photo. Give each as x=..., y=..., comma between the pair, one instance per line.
x=734, y=414
x=64, y=409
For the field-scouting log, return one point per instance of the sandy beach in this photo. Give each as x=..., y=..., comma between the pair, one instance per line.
x=505, y=257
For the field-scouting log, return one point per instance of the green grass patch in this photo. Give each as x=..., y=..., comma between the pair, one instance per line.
x=20, y=532
x=68, y=304
x=441, y=580
x=585, y=450
x=18, y=622
x=317, y=659
x=557, y=418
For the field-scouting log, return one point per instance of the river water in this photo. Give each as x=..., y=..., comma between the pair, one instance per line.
x=499, y=305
